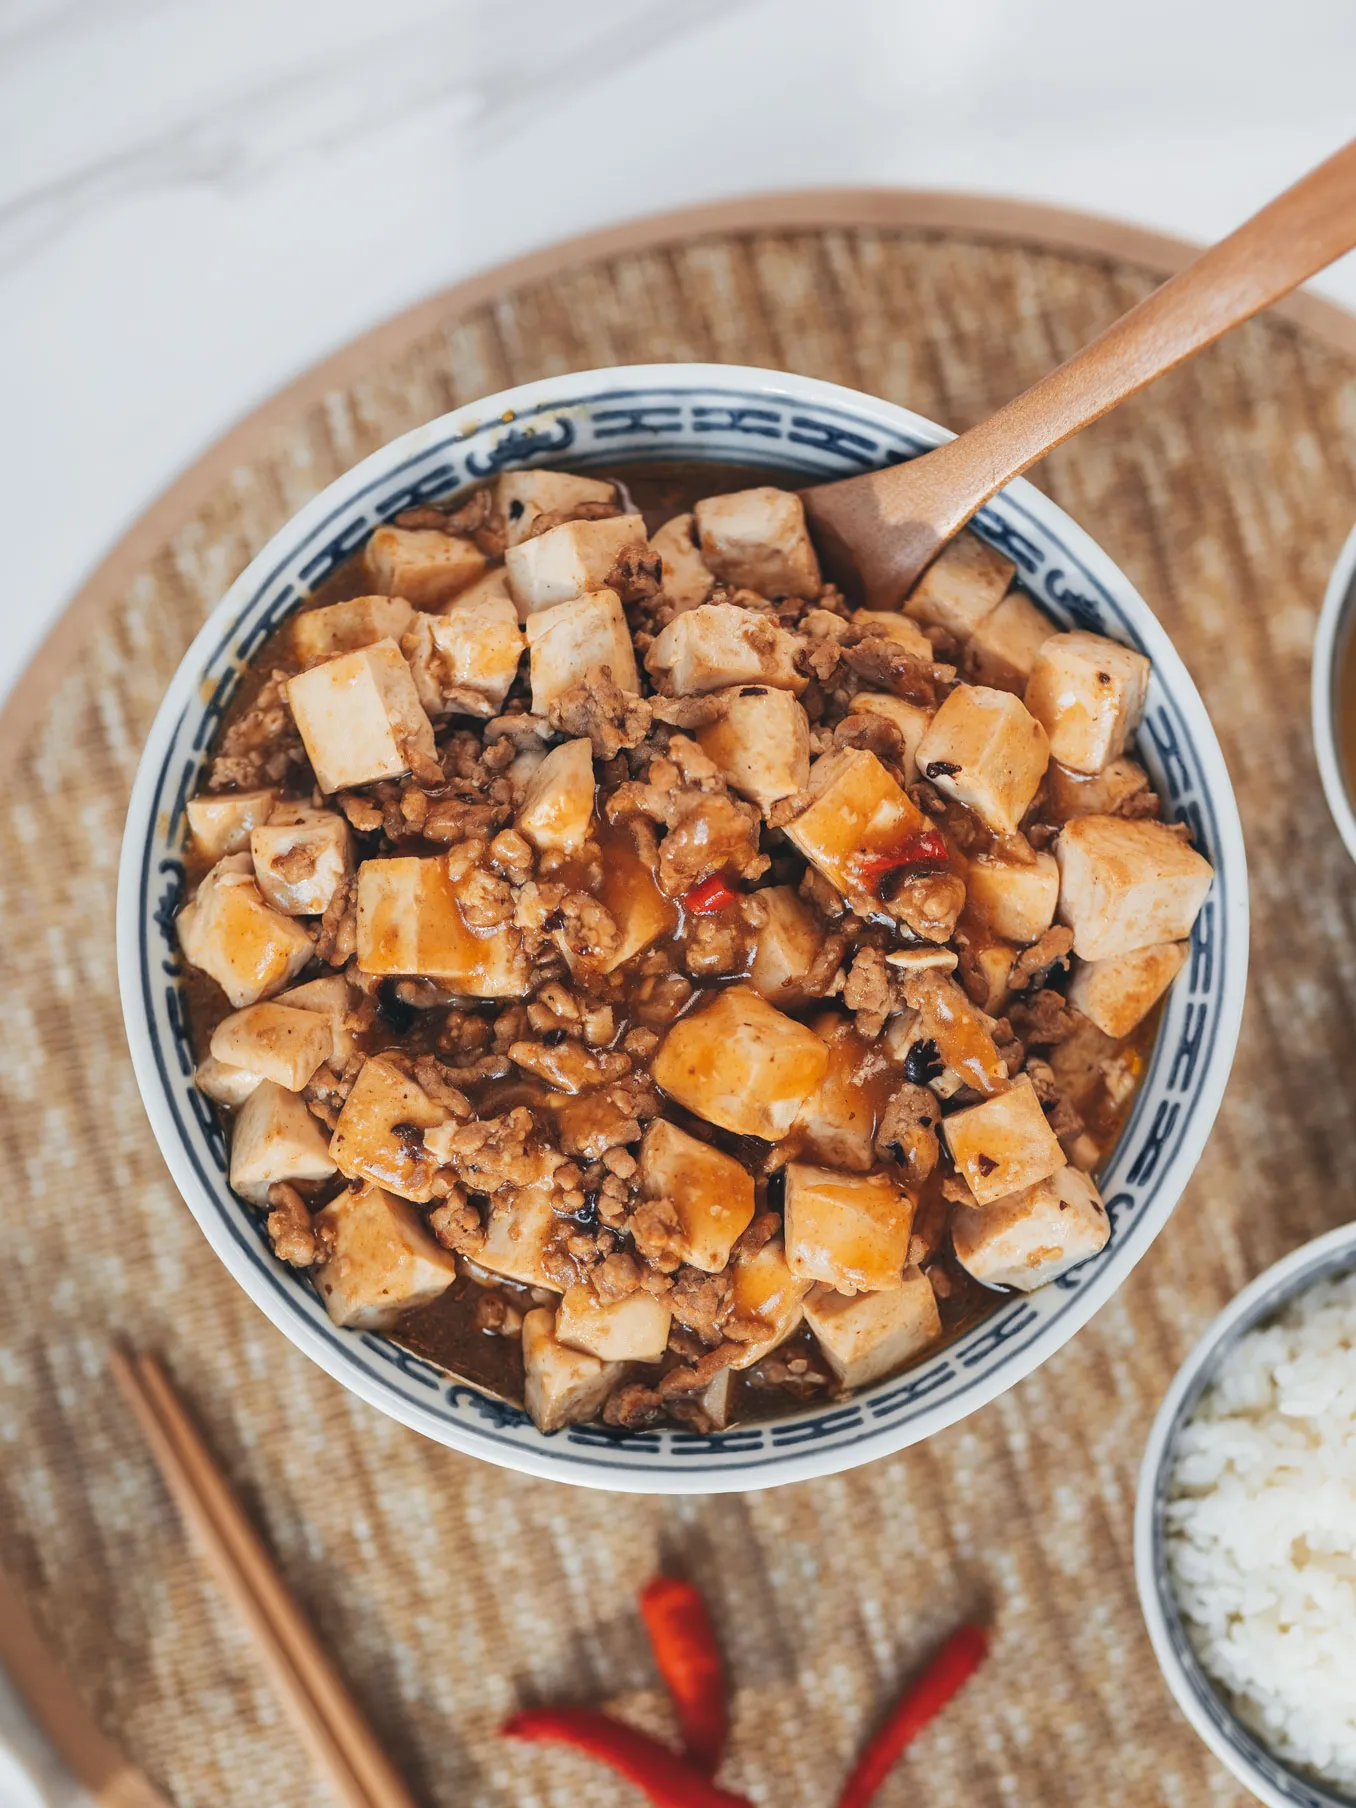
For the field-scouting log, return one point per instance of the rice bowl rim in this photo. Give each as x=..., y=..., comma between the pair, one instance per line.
x=1270, y=1778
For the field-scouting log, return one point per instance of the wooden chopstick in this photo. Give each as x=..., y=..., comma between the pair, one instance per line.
x=321, y=1708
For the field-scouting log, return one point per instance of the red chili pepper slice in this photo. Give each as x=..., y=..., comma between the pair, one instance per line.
x=958, y=1659
x=925, y=850
x=685, y=1649
x=668, y=1780
x=711, y=895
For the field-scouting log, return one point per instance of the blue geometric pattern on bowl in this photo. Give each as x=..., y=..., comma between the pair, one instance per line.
x=739, y=423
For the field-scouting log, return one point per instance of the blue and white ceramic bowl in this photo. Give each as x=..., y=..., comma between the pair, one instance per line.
x=812, y=431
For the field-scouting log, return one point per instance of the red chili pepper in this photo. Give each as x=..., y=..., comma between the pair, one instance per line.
x=668, y=1780
x=685, y=1649
x=711, y=895
x=925, y=850
x=958, y=1659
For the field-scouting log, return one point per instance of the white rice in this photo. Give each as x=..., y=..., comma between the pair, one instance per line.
x=1261, y=1531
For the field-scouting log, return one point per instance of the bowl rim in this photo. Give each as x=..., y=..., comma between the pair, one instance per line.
x=1271, y=1779
x=786, y=1463
x=1336, y=621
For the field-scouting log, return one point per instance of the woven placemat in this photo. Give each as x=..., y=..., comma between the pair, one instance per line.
x=451, y=1591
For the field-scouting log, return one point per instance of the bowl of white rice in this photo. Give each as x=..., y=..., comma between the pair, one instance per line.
x=1245, y=1531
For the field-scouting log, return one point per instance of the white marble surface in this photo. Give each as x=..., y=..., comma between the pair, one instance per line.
x=199, y=198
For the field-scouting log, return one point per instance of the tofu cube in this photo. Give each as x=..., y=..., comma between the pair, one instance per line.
x=711, y=1193
x=301, y=857
x=1032, y=1236
x=761, y=744
x=329, y=997
x=227, y=1085
x=228, y=931
x=220, y=822
x=568, y=561
x=1004, y=1144
x=519, y=1229
x=964, y=583
x=358, y=717
x=890, y=624
x=719, y=645
x=688, y=580
x=741, y=1064
x=520, y=496
x=911, y=719
x=1002, y=651
x=850, y=1231
x=378, y=1136
x=633, y=900
x=758, y=539
x=275, y=1041
x=768, y=1301
x=1088, y=692
x=1069, y=794
x=557, y=808
x=1014, y=899
x=984, y=749
x=383, y=1262
x=716, y=1401
x=359, y=621
x=568, y=640
x=464, y=661
x=409, y=922
x=275, y=1138
x=860, y=820
x=562, y=1386
x=867, y=1335
x=1127, y=885
x=837, y=1123
x=424, y=566
x=1119, y=993
x=787, y=947
x=634, y=1329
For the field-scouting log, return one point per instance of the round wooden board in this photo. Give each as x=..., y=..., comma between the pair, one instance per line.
x=451, y=1591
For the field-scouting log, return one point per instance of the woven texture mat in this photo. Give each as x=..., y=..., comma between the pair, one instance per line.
x=451, y=1591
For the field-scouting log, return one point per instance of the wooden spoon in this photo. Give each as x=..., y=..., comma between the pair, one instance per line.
x=883, y=529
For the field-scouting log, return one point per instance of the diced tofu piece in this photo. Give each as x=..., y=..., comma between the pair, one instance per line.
x=378, y=1136
x=520, y=1227
x=464, y=661
x=227, y=1085
x=890, y=624
x=491, y=587
x=422, y=565
x=220, y=822
x=520, y=496
x=716, y=1402
x=989, y=976
x=301, y=856
x=1004, y=1144
x=409, y=921
x=634, y=1329
x=359, y=717
x=1089, y=693
x=557, y=807
x=966, y=581
x=741, y=1064
x=688, y=580
x=787, y=947
x=984, y=749
x=568, y=561
x=911, y=719
x=359, y=621
x=758, y=539
x=1127, y=885
x=850, y=1231
x=383, y=1263
x=837, y=1123
x=866, y=1335
x=723, y=644
x=1119, y=993
x=274, y=1041
x=761, y=744
x=562, y=1386
x=711, y=1193
x=570, y=639
x=1069, y=794
x=1014, y=899
x=1030, y=1237
x=1003, y=649
x=275, y=1138
x=630, y=896
x=859, y=820
x=767, y=1299
x=329, y=996
x=250, y=949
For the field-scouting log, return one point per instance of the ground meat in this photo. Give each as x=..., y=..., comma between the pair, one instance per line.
x=1041, y=1018
x=872, y=991
x=907, y=1131
x=497, y=1152
x=691, y=712
x=884, y=665
x=582, y=511
x=637, y=574
x=485, y=901
x=929, y=905
x=337, y=937
x=289, y=1227
x=715, y=833
x=262, y=746
x=457, y=1225
x=716, y=945
x=657, y=1232
x=873, y=733
x=617, y=1277
x=496, y=1317
x=700, y=1302
x=609, y=717
x=568, y=1066
x=454, y=819
x=593, y=1122
x=633, y=1406
x=962, y=1032
x=1034, y=963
